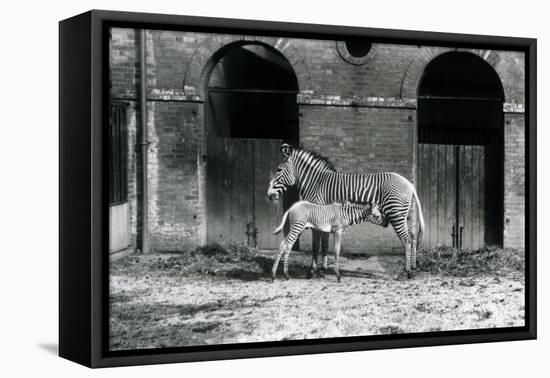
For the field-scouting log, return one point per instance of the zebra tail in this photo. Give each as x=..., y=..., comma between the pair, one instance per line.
x=280, y=228
x=420, y=219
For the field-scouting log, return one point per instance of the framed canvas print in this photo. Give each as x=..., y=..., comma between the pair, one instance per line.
x=233, y=188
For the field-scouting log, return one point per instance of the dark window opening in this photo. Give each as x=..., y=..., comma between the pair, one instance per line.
x=465, y=122
x=358, y=49
x=252, y=94
x=118, y=159
x=459, y=101
x=461, y=76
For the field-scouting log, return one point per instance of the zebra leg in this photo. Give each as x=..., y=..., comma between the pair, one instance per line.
x=412, y=232
x=282, y=248
x=408, y=269
x=413, y=251
x=337, y=246
x=315, y=243
x=285, y=263
x=402, y=230
x=325, y=238
x=293, y=234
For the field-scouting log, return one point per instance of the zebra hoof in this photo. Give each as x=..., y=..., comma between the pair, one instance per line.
x=287, y=277
x=409, y=275
x=309, y=274
x=339, y=279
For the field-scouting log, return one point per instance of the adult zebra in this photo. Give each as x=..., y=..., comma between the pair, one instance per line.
x=318, y=182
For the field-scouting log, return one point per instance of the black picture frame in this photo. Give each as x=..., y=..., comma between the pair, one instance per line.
x=83, y=228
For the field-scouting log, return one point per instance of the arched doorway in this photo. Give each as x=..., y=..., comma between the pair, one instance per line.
x=460, y=157
x=250, y=110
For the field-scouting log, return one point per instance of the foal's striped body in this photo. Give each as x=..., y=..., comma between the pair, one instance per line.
x=334, y=218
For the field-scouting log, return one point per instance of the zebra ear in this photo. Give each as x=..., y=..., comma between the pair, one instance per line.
x=286, y=149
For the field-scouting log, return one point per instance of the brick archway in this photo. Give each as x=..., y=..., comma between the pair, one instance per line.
x=211, y=51
x=460, y=151
x=413, y=74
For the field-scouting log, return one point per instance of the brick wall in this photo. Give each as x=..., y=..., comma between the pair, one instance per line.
x=511, y=71
x=331, y=75
x=176, y=215
x=124, y=62
x=176, y=136
x=132, y=173
x=514, y=180
x=357, y=116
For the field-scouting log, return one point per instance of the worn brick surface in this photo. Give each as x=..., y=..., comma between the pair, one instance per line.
x=362, y=117
x=514, y=181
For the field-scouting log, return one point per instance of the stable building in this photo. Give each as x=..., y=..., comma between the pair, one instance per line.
x=197, y=120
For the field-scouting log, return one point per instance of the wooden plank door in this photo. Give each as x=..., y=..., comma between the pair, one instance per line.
x=471, y=196
x=239, y=171
x=437, y=192
x=229, y=190
x=267, y=214
x=451, y=187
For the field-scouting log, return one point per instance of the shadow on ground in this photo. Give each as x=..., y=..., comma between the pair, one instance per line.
x=51, y=348
x=300, y=263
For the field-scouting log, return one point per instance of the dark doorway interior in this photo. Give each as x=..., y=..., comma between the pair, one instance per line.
x=252, y=94
x=251, y=109
x=460, y=152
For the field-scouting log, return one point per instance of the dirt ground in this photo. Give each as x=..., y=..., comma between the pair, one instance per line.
x=155, y=303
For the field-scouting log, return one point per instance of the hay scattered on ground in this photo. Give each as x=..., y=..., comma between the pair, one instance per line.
x=223, y=294
x=464, y=263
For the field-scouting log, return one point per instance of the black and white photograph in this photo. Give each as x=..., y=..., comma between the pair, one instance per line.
x=274, y=188
x=243, y=189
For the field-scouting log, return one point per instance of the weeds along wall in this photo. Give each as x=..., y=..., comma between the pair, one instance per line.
x=359, y=112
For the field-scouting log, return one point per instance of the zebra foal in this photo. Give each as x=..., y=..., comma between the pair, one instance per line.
x=333, y=218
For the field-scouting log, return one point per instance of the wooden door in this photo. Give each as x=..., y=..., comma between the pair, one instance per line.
x=452, y=184
x=471, y=196
x=267, y=214
x=229, y=190
x=437, y=192
x=238, y=210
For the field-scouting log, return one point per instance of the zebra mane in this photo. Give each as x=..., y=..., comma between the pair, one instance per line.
x=317, y=157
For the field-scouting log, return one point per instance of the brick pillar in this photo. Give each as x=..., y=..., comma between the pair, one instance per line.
x=514, y=180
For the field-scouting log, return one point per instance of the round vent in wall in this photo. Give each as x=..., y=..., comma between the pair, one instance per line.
x=355, y=52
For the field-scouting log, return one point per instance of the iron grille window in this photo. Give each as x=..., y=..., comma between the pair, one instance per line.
x=118, y=159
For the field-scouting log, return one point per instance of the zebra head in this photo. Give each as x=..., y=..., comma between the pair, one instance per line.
x=285, y=176
x=357, y=212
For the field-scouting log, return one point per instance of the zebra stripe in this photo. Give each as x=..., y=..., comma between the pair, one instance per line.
x=334, y=218
x=318, y=182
